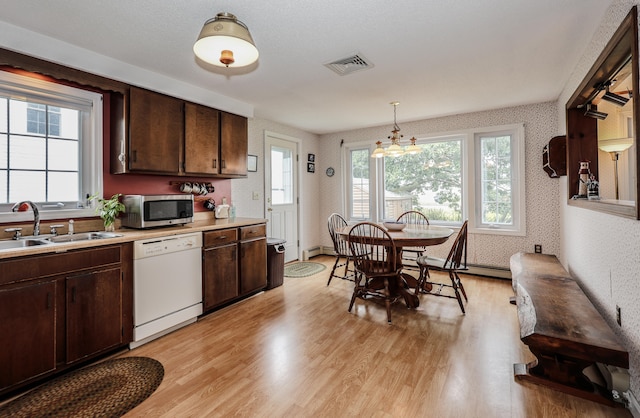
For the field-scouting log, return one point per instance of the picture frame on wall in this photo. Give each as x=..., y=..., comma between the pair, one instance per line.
x=311, y=168
x=311, y=158
x=252, y=163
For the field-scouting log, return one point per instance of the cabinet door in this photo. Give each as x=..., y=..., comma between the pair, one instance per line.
x=233, y=144
x=253, y=265
x=156, y=132
x=27, y=327
x=94, y=313
x=220, y=275
x=201, y=140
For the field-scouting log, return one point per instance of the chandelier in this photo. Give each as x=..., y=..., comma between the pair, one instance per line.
x=395, y=149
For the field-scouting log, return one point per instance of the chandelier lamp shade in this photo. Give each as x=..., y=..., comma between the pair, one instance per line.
x=225, y=41
x=395, y=149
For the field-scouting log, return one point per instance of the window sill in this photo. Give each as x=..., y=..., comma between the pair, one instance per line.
x=497, y=231
x=624, y=208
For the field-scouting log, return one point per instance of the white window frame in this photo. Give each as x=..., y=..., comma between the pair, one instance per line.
x=518, y=186
x=91, y=155
x=464, y=147
x=348, y=188
x=471, y=185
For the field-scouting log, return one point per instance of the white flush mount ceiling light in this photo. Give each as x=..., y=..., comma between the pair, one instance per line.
x=224, y=41
x=395, y=149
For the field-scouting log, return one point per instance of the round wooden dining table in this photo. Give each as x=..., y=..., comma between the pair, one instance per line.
x=410, y=236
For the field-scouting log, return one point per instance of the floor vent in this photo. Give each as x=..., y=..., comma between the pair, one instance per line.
x=349, y=65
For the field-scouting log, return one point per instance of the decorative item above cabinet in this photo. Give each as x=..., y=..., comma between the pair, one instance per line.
x=554, y=157
x=152, y=133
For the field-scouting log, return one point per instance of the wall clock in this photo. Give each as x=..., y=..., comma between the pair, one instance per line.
x=330, y=172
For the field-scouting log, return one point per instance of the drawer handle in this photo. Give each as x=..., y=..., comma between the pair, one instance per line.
x=222, y=237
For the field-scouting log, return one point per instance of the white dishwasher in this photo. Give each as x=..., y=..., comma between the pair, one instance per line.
x=167, y=285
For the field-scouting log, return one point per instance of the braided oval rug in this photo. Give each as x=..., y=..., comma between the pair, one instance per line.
x=107, y=389
x=303, y=269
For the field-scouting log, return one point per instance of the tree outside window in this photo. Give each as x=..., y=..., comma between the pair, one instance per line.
x=432, y=180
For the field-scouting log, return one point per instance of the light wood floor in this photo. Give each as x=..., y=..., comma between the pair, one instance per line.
x=295, y=351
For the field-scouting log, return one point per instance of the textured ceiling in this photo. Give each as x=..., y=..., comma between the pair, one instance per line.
x=435, y=57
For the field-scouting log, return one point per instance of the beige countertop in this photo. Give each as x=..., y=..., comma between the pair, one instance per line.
x=129, y=235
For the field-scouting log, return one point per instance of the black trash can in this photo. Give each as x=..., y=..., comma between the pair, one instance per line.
x=275, y=262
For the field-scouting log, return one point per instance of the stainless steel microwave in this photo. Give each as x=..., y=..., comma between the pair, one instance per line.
x=150, y=211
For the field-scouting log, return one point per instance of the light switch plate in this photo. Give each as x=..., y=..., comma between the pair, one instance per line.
x=256, y=196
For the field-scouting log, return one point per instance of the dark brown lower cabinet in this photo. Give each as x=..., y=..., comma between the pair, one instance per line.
x=253, y=265
x=220, y=275
x=57, y=310
x=28, y=332
x=234, y=264
x=94, y=313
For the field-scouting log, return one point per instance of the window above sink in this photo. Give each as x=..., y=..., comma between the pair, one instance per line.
x=50, y=147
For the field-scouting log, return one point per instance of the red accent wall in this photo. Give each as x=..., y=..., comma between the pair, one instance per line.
x=150, y=184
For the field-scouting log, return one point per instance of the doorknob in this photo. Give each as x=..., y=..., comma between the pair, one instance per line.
x=269, y=210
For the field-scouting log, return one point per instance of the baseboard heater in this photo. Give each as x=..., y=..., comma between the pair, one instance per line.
x=489, y=271
x=311, y=252
x=477, y=269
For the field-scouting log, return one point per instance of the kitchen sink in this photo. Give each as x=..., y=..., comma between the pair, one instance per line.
x=21, y=243
x=83, y=236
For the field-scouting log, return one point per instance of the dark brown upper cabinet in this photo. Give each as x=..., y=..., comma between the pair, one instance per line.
x=201, y=144
x=233, y=144
x=615, y=71
x=157, y=134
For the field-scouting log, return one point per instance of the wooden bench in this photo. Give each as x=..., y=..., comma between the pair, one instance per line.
x=562, y=329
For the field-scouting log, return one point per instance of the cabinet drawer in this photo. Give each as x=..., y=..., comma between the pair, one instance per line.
x=223, y=236
x=253, y=231
x=36, y=266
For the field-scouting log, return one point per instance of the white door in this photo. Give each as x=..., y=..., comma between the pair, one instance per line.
x=281, y=195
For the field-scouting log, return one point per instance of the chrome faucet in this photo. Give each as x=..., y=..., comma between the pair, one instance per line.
x=36, y=214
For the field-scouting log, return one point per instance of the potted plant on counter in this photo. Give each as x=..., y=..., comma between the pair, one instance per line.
x=108, y=209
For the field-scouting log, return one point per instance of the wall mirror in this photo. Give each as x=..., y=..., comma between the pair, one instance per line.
x=602, y=128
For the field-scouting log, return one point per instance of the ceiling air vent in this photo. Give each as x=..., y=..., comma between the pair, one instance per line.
x=349, y=65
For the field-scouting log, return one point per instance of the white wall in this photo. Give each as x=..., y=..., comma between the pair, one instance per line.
x=540, y=123
x=242, y=189
x=602, y=251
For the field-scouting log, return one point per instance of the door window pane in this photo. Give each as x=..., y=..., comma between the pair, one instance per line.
x=281, y=176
